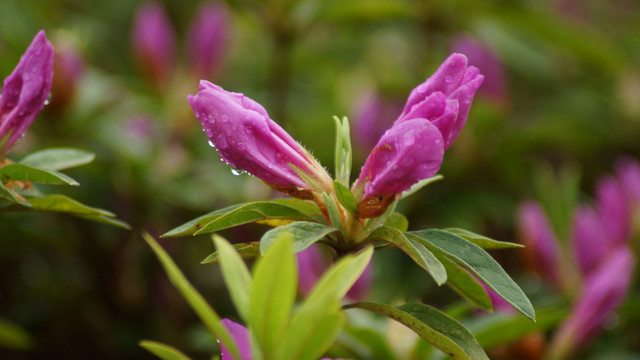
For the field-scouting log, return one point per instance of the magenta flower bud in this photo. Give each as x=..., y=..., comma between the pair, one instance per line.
x=602, y=292
x=153, y=43
x=312, y=265
x=613, y=210
x=25, y=91
x=485, y=59
x=248, y=139
x=240, y=336
x=541, y=244
x=590, y=240
x=628, y=171
x=445, y=98
x=206, y=42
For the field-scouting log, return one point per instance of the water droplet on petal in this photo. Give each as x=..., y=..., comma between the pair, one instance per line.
x=248, y=130
x=211, y=144
x=222, y=142
x=237, y=172
x=448, y=79
x=47, y=101
x=225, y=118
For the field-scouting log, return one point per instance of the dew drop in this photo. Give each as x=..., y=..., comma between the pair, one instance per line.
x=211, y=144
x=248, y=130
x=241, y=146
x=222, y=142
x=237, y=172
x=437, y=141
x=47, y=101
x=448, y=79
x=225, y=118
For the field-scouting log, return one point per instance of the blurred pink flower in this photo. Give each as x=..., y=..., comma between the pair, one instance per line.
x=486, y=60
x=373, y=115
x=68, y=68
x=536, y=233
x=153, y=43
x=25, y=91
x=240, y=336
x=628, y=171
x=613, y=210
x=312, y=265
x=589, y=239
x=207, y=39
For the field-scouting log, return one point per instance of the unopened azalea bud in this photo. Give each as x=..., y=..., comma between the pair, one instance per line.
x=206, y=41
x=153, y=43
x=613, y=210
x=413, y=148
x=445, y=98
x=240, y=336
x=25, y=91
x=590, y=240
x=248, y=139
x=541, y=244
x=602, y=292
x=628, y=171
x=484, y=58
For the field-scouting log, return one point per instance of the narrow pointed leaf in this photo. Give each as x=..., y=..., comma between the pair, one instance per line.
x=416, y=251
x=442, y=331
x=13, y=197
x=419, y=185
x=245, y=213
x=22, y=172
x=345, y=197
x=272, y=294
x=303, y=233
x=479, y=263
x=397, y=221
x=192, y=296
x=372, y=339
x=247, y=251
x=483, y=241
x=58, y=159
x=235, y=274
x=343, y=152
x=464, y=284
x=164, y=352
x=334, y=212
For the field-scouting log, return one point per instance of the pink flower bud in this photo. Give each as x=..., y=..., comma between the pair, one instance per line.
x=248, y=139
x=240, y=336
x=538, y=237
x=590, y=240
x=206, y=41
x=602, y=292
x=445, y=98
x=628, y=171
x=25, y=91
x=153, y=43
x=485, y=59
x=613, y=210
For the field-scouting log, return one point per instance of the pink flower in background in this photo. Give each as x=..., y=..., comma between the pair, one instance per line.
x=589, y=239
x=373, y=115
x=153, y=43
x=413, y=148
x=613, y=210
x=312, y=265
x=603, y=291
x=68, y=68
x=536, y=233
x=240, y=336
x=486, y=60
x=25, y=91
x=206, y=40
x=628, y=172
x=248, y=139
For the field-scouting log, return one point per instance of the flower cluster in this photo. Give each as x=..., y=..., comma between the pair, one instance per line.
x=410, y=151
x=25, y=91
x=603, y=261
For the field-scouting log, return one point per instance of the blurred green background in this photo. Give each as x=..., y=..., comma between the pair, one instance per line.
x=570, y=99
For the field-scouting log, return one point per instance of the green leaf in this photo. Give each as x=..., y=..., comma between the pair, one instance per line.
x=241, y=214
x=334, y=213
x=273, y=294
x=105, y=220
x=376, y=344
x=303, y=233
x=58, y=159
x=397, y=221
x=22, y=172
x=479, y=262
x=310, y=334
x=416, y=251
x=235, y=274
x=420, y=184
x=193, y=297
x=442, y=331
x=14, y=337
x=163, y=351
x=464, y=284
x=483, y=241
x=245, y=250
x=345, y=197
x=11, y=196
x=343, y=154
